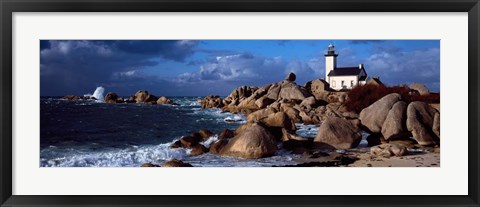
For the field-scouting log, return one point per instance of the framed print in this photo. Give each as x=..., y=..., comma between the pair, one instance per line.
x=200, y=103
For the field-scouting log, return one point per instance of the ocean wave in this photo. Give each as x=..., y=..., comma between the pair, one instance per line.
x=135, y=156
x=307, y=130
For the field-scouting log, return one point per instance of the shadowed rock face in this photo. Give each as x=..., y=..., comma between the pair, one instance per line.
x=176, y=163
x=291, y=77
x=217, y=146
x=111, y=98
x=394, y=126
x=338, y=133
x=253, y=142
x=420, y=122
x=374, y=115
x=420, y=88
x=388, y=150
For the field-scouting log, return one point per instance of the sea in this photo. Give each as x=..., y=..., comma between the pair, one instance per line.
x=90, y=133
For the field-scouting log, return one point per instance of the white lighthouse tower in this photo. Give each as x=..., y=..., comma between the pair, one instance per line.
x=330, y=61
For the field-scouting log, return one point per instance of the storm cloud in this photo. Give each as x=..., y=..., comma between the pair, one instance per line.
x=200, y=68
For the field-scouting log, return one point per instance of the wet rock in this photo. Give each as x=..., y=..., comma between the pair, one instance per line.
x=111, y=98
x=205, y=134
x=143, y=96
x=177, y=144
x=72, y=97
x=254, y=142
x=165, y=100
x=226, y=134
x=198, y=150
x=190, y=141
x=388, y=150
x=217, y=146
x=176, y=163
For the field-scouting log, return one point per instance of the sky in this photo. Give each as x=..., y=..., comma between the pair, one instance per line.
x=217, y=67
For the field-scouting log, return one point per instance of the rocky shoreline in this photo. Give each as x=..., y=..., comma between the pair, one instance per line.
x=403, y=123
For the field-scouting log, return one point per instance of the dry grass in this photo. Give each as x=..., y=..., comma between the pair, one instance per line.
x=363, y=96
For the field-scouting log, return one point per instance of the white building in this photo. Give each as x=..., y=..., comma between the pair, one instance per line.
x=342, y=77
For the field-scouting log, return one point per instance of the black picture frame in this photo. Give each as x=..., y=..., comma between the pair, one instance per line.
x=7, y=8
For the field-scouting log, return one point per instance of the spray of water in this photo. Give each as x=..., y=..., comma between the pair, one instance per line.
x=98, y=94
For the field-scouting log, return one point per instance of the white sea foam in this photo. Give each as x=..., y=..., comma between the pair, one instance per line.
x=98, y=94
x=210, y=140
x=235, y=118
x=130, y=157
x=135, y=156
x=309, y=131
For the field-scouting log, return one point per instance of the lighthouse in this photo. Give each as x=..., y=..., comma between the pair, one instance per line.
x=330, y=61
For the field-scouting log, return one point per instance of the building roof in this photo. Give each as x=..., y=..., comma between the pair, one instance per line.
x=345, y=71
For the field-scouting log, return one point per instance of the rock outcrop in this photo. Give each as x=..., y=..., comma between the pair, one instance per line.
x=338, y=133
x=374, y=115
x=420, y=88
x=111, y=98
x=420, y=122
x=291, y=77
x=143, y=96
x=394, y=126
x=254, y=142
x=176, y=163
x=165, y=100
x=388, y=150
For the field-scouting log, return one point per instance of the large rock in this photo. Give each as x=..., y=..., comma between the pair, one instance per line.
x=292, y=113
x=394, y=125
x=309, y=102
x=71, y=97
x=242, y=92
x=436, y=124
x=291, y=77
x=149, y=165
x=280, y=120
x=273, y=91
x=388, y=150
x=190, y=141
x=254, y=142
x=420, y=88
x=288, y=135
x=292, y=91
x=420, y=118
x=374, y=115
x=165, y=100
x=217, y=146
x=198, y=150
x=226, y=134
x=205, y=134
x=176, y=163
x=317, y=86
x=260, y=114
x=338, y=133
x=142, y=96
x=111, y=98
x=263, y=102
x=211, y=102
